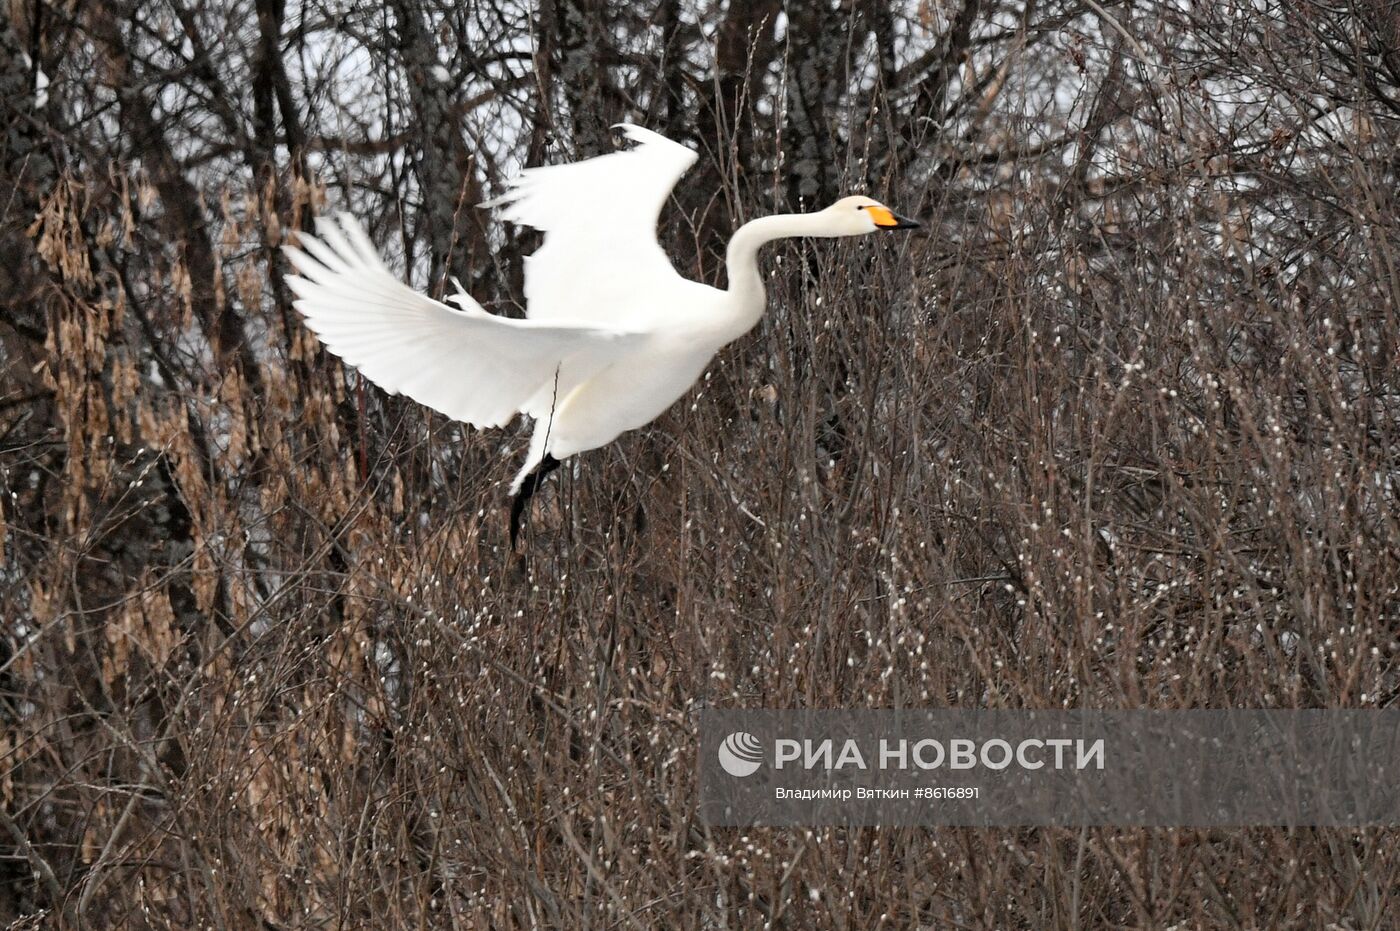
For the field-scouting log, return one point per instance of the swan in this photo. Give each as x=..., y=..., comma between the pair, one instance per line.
x=613, y=335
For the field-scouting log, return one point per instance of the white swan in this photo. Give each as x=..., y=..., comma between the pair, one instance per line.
x=613, y=334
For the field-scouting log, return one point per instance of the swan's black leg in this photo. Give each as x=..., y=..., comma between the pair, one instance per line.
x=527, y=491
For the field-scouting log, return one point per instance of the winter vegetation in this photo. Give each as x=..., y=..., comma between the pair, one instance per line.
x=1120, y=428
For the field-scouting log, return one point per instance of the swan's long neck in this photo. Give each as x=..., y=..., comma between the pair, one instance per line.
x=745, y=281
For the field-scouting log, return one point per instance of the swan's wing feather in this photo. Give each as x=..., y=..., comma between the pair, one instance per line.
x=468, y=364
x=600, y=262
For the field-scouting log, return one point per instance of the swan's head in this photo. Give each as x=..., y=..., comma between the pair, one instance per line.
x=858, y=215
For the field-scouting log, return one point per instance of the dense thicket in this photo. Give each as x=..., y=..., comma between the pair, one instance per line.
x=1120, y=431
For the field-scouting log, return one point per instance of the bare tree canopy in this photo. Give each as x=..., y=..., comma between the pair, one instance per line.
x=1122, y=430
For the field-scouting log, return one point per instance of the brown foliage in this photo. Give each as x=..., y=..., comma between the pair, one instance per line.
x=1120, y=432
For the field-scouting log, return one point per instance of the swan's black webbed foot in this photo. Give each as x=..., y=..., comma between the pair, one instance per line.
x=527, y=491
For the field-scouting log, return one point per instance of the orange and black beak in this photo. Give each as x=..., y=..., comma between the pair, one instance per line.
x=887, y=219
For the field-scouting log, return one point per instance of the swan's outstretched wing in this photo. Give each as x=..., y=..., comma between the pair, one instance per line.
x=468, y=364
x=600, y=262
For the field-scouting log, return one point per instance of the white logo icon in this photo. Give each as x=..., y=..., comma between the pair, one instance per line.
x=741, y=754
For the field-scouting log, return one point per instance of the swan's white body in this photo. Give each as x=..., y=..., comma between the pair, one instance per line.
x=613, y=335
